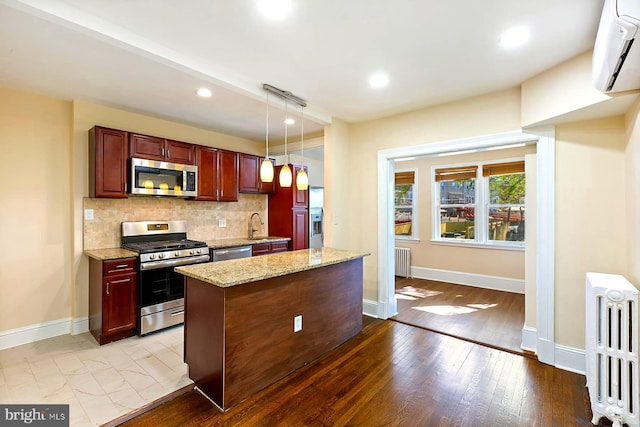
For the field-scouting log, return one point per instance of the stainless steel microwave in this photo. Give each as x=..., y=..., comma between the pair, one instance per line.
x=163, y=178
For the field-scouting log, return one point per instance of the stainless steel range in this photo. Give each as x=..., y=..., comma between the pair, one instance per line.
x=161, y=245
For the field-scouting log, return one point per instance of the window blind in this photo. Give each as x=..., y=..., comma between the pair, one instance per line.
x=503, y=168
x=405, y=178
x=454, y=174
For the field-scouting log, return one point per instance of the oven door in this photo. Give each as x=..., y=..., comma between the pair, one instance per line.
x=159, y=285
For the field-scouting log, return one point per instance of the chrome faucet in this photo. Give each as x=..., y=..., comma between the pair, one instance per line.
x=251, y=229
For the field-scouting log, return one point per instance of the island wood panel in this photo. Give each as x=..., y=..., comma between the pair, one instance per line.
x=257, y=338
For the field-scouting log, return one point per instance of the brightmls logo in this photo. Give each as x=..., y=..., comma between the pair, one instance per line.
x=36, y=415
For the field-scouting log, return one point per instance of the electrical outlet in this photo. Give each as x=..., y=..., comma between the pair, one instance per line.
x=297, y=323
x=88, y=214
x=222, y=222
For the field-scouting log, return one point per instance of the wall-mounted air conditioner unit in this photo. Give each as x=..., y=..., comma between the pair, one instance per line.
x=616, y=54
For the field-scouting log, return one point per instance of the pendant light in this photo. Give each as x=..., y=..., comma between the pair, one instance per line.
x=285, y=172
x=302, y=180
x=266, y=168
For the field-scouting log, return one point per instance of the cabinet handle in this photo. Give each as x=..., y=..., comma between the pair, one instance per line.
x=107, y=288
x=163, y=152
x=122, y=265
x=168, y=153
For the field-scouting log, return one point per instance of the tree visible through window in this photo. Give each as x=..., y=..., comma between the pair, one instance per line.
x=483, y=203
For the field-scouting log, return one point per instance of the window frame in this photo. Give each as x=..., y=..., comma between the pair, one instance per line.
x=414, y=207
x=481, y=209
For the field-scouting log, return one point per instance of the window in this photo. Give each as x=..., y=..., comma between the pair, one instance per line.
x=480, y=203
x=404, y=204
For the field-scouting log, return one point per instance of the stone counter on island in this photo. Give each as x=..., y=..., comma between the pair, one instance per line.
x=250, y=322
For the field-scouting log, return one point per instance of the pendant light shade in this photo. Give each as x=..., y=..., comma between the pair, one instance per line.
x=302, y=180
x=266, y=171
x=285, y=176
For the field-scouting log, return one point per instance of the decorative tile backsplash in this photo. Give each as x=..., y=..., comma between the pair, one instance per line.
x=104, y=231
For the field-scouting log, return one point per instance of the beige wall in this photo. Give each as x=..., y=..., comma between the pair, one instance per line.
x=35, y=201
x=632, y=167
x=591, y=231
x=488, y=114
x=490, y=262
x=559, y=91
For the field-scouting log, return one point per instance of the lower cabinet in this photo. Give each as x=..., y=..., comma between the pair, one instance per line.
x=113, y=290
x=269, y=248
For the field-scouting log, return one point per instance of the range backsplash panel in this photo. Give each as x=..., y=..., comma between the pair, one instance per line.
x=104, y=231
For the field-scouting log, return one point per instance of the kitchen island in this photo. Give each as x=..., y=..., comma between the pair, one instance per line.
x=250, y=322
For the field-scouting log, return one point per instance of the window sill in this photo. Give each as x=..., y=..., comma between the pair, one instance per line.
x=411, y=240
x=496, y=246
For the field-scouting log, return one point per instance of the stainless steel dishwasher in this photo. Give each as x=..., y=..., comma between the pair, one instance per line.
x=231, y=253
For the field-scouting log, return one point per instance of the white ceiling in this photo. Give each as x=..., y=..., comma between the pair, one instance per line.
x=150, y=56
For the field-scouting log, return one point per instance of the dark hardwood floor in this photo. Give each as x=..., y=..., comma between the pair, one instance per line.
x=394, y=374
x=485, y=316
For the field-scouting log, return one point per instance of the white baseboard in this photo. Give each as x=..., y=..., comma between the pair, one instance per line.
x=529, y=338
x=570, y=359
x=41, y=331
x=478, y=280
x=370, y=308
x=79, y=325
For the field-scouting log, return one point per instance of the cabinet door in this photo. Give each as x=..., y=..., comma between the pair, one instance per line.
x=249, y=173
x=119, y=301
x=207, y=162
x=279, y=247
x=300, y=238
x=146, y=147
x=179, y=152
x=107, y=163
x=300, y=197
x=260, y=249
x=228, y=176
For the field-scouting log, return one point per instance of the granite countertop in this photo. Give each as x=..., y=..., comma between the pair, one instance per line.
x=229, y=243
x=238, y=271
x=110, y=253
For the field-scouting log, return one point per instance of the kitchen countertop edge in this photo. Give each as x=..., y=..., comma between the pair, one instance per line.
x=110, y=253
x=246, y=270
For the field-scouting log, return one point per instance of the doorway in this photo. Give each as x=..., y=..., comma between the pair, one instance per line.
x=538, y=338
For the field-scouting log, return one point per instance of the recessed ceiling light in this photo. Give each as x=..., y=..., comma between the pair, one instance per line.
x=378, y=80
x=289, y=121
x=204, y=92
x=514, y=37
x=274, y=9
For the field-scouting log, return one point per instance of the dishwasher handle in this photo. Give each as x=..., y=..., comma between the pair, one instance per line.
x=231, y=253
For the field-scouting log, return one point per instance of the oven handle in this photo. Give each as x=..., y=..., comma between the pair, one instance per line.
x=153, y=265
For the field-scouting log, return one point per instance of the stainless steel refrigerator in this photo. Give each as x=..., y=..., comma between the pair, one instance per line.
x=316, y=217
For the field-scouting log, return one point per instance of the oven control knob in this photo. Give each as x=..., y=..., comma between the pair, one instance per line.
x=191, y=252
x=152, y=256
x=177, y=253
x=160, y=256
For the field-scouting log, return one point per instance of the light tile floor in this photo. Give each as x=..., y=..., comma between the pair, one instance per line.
x=100, y=383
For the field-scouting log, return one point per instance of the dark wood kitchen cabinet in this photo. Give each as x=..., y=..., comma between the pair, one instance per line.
x=113, y=290
x=269, y=248
x=108, y=163
x=289, y=212
x=218, y=174
x=250, y=175
x=161, y=149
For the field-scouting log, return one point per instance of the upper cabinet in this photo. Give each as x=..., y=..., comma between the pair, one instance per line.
x=108, y=163
x=250, y=175
x=164, y=150
x=218, y=174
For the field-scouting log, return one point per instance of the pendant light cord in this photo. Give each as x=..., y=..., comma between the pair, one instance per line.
x=286, y=156
x=267, y=135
